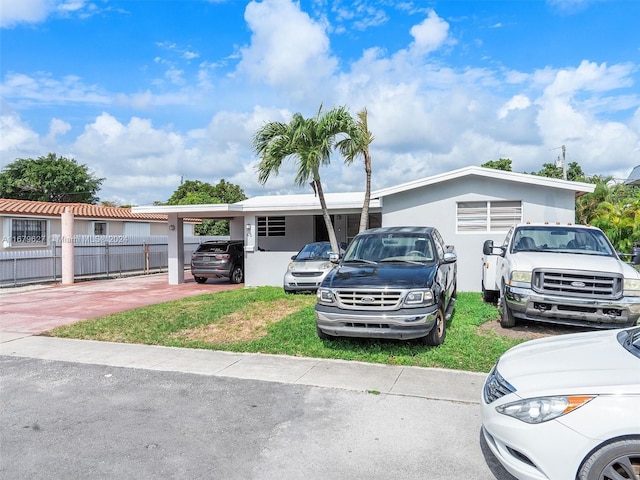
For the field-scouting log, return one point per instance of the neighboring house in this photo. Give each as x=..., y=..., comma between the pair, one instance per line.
x=30, y=225
x=634, y=177
x=468, y=206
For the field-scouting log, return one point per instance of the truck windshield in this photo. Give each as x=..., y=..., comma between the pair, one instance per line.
x=562, y=240
x=395, y=247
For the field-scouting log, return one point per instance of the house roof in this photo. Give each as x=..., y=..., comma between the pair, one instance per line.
x=634, y=177
x=352, y=201
x=578, y=187
x=83, y=210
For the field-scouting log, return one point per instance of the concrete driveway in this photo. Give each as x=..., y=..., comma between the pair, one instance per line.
x=79, y=409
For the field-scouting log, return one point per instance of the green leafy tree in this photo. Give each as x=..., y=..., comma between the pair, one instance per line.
x=551, y=170
x=500, y=164
x=356, y=145
x=196, y=192
x=49, y=179
x=308, y=140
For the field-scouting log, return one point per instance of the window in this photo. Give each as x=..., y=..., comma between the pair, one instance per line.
x=27, y=232
x=493, y=216
x=99, y=228
x=271, y=227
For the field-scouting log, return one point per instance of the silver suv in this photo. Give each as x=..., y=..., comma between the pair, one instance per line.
x=217, y=259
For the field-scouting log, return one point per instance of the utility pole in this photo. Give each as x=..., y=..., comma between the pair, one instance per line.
x=564, y=160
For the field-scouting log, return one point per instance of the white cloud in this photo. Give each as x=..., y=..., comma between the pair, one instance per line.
x=14, y=12
x=430, y=34
x=295, y=59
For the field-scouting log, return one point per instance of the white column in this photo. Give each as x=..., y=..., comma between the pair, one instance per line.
x=176, y=250
x=67, y=247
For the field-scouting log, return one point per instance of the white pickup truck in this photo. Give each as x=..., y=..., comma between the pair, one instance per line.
x=565, y=274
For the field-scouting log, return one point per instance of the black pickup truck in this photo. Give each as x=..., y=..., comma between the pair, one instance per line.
x=394, y=282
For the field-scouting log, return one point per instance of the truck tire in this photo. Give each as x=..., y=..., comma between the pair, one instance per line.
x=621, y=457
x=507, y=320
x=489, y=296
x=439, y=331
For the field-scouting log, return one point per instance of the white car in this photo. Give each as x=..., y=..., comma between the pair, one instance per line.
x=309, y=266
x=567, y=407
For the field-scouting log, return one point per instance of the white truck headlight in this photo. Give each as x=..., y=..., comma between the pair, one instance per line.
x=631, y=287
x=520, y=276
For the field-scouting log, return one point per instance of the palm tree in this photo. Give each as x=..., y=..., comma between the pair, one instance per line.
x=310, y=141
x=356, y=144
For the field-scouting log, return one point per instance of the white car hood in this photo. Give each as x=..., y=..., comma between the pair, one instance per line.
x=592, y=362
x=527, y=261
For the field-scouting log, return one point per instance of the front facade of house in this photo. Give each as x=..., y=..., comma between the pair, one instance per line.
x=32, y=225
x=467, y=206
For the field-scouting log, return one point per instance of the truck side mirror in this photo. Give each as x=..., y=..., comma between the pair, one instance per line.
x=334, y=257
x=487, y=247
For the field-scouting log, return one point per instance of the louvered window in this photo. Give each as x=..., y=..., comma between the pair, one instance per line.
x=492, y=216
x=271, y=227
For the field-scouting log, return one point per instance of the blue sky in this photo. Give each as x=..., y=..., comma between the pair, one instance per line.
x=149, y=92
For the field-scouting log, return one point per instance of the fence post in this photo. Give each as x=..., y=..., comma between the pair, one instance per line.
x=146, y=258
x=53, y=255
x=106, y=252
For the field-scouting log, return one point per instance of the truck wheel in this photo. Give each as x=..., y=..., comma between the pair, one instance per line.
x=619, y=459
x=507, y=320
x=438, y=332
x=489, y=296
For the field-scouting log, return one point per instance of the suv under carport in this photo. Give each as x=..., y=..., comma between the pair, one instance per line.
x=217, y=259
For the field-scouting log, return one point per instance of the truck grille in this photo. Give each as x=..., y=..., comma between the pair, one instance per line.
x=576, y=283
x=355, y=299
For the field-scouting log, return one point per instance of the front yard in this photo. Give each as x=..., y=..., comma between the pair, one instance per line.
x=267, y=320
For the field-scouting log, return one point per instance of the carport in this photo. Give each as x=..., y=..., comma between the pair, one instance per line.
x=273, y=228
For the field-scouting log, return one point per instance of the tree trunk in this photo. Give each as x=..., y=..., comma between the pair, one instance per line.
x=327, y=217
x=364, y=216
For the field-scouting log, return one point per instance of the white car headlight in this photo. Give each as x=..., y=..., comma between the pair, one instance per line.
x=631, y=287
x=543, y=409
x=520, y=276
x=418, y=298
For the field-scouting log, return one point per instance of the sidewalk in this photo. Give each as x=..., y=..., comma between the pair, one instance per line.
x=26, y=313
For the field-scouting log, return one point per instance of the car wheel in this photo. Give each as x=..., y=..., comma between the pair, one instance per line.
x=619, y=459
x=322, y=335
x=507, y=320
x=237, y=275
x=200, y=279
x=439, y=331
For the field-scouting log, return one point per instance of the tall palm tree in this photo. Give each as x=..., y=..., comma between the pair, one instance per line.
x=310, y=141
x=356, y=144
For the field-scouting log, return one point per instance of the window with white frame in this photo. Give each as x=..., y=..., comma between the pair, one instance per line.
x=488, y=216
x=271, y=227
x=28, y=232
x=100, y=228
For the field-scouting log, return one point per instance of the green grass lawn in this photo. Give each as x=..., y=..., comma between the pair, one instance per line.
x=267, y=320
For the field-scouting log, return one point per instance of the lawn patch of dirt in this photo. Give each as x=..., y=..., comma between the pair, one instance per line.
x=528, y=330
x=246, y=324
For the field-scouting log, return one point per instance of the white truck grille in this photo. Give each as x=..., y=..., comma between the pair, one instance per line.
x=577, y=283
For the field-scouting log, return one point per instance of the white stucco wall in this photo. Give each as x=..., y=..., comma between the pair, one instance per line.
x=435, y=206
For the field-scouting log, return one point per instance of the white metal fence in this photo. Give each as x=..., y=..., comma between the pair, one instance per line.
x=95, y=256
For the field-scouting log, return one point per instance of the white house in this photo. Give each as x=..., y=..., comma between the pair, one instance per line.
x=467, y=206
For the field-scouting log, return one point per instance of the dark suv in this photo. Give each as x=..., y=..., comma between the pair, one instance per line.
x=216, y=259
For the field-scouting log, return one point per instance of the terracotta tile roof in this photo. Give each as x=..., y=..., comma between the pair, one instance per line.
x=83, y=210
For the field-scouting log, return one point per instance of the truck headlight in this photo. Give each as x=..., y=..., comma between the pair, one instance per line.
x=543, y=409
x=631, y=287
x=325, y=296
x=520, y=276
x=417, y=298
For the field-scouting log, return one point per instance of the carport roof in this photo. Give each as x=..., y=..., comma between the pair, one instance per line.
x=302, y=203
